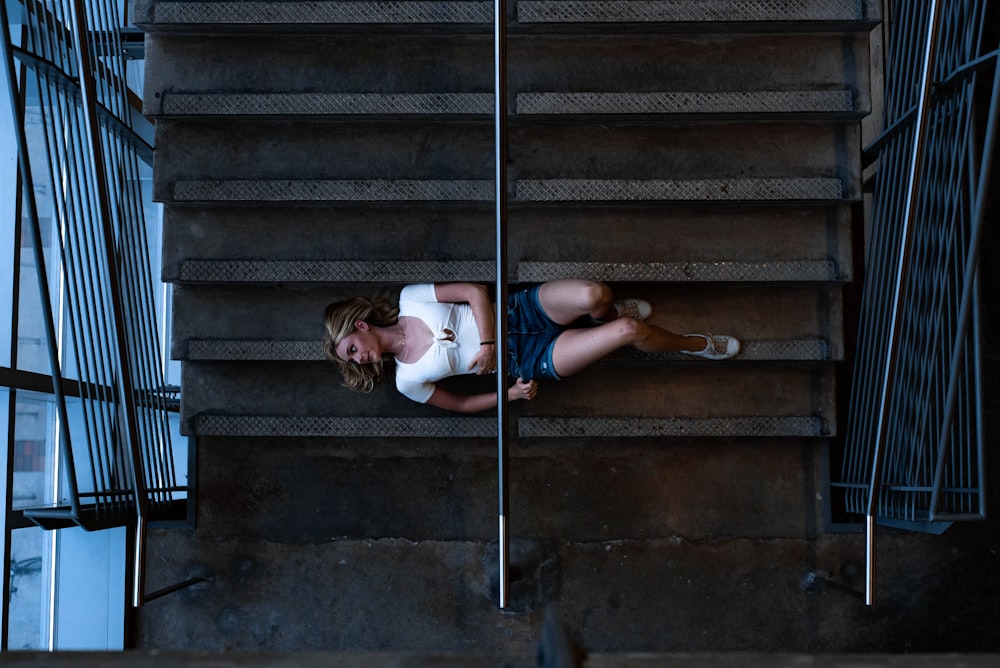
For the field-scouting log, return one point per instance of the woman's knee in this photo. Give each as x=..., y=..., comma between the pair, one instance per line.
x=595, y=296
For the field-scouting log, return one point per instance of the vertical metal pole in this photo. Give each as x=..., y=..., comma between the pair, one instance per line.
x=913, y=180
x=500, y=181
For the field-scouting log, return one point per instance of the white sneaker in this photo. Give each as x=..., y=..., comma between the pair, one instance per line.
x=638, y=309
x=717, y=347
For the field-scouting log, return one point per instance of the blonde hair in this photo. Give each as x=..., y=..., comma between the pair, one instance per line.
x=339, y=320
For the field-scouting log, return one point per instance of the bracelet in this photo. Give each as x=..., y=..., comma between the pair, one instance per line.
x=489, y=342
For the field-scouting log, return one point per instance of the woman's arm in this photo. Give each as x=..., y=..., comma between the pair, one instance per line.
x=475, y=403
x=478, y=298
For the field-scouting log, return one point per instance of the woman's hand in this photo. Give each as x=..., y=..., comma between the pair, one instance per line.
x=522, y=389
x=485, y=360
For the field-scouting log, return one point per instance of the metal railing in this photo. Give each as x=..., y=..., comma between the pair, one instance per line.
x=914, y=441
x=80, y=161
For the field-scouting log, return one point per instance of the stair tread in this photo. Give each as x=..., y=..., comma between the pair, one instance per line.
x=793, y=349
x=527, y=190
x=527, y=427
x=403, y=271
x=533, y=103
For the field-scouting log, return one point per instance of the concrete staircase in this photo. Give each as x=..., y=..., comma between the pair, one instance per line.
x=702, y=155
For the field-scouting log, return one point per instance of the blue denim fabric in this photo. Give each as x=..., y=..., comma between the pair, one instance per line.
x=531, y=336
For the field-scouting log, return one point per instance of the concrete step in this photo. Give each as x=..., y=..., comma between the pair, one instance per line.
x=433, y=75
x=273, y=161
x=423, y=490
x=677, y=390
x=284, y=323
x=657, y=232
x=153, y=15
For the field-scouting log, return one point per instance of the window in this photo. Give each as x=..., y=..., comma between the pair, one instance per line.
x=66, y=587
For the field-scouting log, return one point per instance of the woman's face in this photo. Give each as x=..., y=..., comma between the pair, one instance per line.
x=360, y=346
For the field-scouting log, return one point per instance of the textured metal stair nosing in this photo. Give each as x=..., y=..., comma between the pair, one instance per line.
x=376, y=12
x=701, y=190
x=690, y=11
x=481, y=104
x=391, y=12
x=646, y=427
x=336, y=271
x=391, y=271
x=806, y=349
x=689, y=102
x=527, y=427
x=724, y=271
x=323, y=104
x=527, y=190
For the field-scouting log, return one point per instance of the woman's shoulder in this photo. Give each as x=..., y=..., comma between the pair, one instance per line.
x=418, y=292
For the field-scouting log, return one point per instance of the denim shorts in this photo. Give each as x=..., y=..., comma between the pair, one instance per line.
x=531, y=336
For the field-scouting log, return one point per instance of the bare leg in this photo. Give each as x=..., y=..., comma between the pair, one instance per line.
x=576, y=349
x=566, y=300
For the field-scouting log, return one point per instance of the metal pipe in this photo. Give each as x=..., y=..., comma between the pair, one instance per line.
x=913, y=181
x=500, y=186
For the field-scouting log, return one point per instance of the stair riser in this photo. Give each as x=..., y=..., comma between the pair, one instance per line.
x=587, y=234
x=695, y=390
x=295, y=315
x=557, y=494
x=409, y=64
x=199, y=150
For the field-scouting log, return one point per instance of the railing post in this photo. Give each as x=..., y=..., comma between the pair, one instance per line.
x=500, y=185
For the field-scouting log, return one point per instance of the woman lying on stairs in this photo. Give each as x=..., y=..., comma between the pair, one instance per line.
x=439, y=330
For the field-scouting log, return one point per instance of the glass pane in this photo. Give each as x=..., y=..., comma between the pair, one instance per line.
x=34, y=449
x=30, y=589
x=90, y=581
x=8, y=211
x=32, y=344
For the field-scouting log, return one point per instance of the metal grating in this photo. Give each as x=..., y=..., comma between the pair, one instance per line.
x=528, y=427
x=262, y=104
x=568, y=190
x=643, y=427
x=299, y=13
x=354, y=427
x=254, y=351
x=738, y=102
x=332, y=271
x=292, y=190
x=808, y=349
x=723, y=271
x=645, y=11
